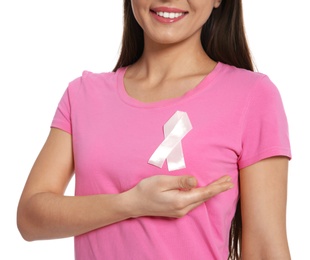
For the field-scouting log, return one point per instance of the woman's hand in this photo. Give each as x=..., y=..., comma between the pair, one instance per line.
x=44, y=212
x=171, y=196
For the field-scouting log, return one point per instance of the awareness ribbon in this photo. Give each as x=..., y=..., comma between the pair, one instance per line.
x=176, y=128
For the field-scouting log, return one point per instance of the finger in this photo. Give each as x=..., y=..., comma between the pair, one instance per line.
x=187, y=182
x=203, y=194
x=184, y=182
x=215, y=188
x=225, y=178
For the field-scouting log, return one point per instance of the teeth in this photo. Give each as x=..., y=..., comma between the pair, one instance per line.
x=169, y=15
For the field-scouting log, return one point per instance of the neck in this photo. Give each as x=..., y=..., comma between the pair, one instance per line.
x=167, y=60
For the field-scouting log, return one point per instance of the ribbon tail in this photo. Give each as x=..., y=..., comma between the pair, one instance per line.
x=175, y=159
x=163, y=150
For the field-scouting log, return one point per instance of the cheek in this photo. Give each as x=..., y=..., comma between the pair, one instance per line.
x=139, y=9
x=205, y=15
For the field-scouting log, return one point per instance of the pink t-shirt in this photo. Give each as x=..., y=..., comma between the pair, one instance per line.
x=237, y=119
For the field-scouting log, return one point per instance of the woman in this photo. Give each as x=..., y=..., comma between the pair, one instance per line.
x=170, y=149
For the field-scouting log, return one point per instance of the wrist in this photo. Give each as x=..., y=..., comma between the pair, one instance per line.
x=129, y=204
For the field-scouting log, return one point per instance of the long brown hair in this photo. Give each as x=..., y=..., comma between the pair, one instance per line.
x=223, y=39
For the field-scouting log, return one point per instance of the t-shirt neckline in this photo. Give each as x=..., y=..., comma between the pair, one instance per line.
x=120, y=73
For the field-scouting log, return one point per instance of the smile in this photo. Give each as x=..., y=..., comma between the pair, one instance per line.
x=169, y=15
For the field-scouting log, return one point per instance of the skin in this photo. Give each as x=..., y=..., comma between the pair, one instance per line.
x=45, y=213
x=173, y=62
x=263, y=203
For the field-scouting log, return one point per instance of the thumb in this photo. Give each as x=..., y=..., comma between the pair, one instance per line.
x=186, y=182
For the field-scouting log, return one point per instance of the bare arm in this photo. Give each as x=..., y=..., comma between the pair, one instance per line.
x=263, y=204
x=45, y=213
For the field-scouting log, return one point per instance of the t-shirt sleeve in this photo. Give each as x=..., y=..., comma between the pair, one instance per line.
x=265, y=128
x=63, y=115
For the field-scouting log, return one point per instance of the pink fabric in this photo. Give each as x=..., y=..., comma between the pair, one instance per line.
x=237, y=118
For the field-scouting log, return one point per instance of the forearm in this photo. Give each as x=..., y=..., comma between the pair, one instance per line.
x=49, y=216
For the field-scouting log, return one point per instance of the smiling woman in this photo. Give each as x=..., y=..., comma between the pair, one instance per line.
x=183, y=93
x=165, y=20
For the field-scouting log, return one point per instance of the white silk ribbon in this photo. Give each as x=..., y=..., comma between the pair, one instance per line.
x=175, y=130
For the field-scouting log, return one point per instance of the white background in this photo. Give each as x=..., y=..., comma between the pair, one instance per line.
x=46, y=44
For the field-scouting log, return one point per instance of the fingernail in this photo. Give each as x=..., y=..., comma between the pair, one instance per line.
x=228, y=179
x=230, y=186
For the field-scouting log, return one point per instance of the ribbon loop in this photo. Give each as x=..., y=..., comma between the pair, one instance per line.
x=175, y=130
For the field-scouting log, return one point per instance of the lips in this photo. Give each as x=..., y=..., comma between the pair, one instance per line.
x=167, y=15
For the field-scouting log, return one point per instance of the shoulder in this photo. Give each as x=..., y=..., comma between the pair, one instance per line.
x=93, y=88
x=248, y=82
x=240, y=75
x=90, y=79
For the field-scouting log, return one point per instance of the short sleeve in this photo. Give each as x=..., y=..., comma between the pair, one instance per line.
x=265, y=127
x=62, y=117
